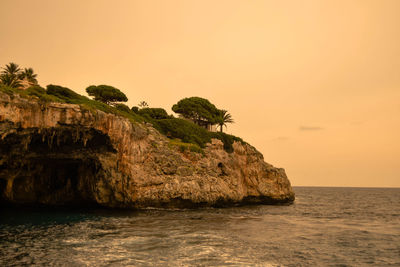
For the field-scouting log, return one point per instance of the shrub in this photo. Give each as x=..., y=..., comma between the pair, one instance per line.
x=35, y=90
x=40, y=92
x=227, y=139
x=123, y=107
x=7, y=89
x=190, y=132
x=192, y=137
x=154, y=113
x=63, y=93
x=186, y=146
x=185, y=130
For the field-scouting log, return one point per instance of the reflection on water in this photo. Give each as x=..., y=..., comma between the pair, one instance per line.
x=325, y=226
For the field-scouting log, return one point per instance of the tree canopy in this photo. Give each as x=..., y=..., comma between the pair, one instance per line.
x=197, y=109
x=10, y=75
x=28, y=75
x=106, y=94
x=154, y=113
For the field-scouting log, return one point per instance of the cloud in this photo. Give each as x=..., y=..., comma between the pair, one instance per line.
x=310, y=128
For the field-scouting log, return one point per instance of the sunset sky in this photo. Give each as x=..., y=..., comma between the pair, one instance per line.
x=313, y=85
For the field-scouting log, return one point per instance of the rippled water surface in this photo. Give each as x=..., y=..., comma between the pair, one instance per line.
x=325, y=227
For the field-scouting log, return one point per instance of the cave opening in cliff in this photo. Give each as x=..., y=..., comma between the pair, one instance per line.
x=56, y=166
x=55, y=181
x=3, y=184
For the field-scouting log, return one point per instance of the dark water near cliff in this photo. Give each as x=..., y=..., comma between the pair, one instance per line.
x=325, y=227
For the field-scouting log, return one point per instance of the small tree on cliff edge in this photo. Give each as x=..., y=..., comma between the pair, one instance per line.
x=197, y=109
x=224, y=118
x=10, y=75
x=106, y=94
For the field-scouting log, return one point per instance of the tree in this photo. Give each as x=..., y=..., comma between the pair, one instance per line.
x=10, y=75
x=29, y=76
x=135, y=109
x=106, y=94
x=197, y=109
x=143, y=104
x=224, y=118
x=11, y=69
x=10, y=81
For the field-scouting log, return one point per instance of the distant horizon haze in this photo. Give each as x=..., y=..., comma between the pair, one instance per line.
x=314, y=85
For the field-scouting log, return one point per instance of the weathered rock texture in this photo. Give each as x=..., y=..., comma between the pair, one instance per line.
x=63, y=154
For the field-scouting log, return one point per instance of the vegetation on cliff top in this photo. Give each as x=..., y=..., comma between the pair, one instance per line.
x=13, y=76
x=187, y=134
x=106, y=94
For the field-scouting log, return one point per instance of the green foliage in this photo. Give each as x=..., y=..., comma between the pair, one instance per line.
x=224, y=118
x=10, y=75
x=227, y=139
x=123, y=107
x=106, y=94
x=135, y=109
x=10, y=81
x=198, y=109
x=56, y=93
x=12, y=69
x=7, y=89
x=186, y=146
x=189, y=132
x=63, y=93
x=33, y=91
x=68, y=96
x=41, y=93
x=185, y=130
x=29, y=75
x=13, y=76
x=186, y=135
x=36, y=90
x=154, y=113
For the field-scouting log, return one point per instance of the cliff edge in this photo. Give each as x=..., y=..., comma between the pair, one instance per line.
x=65, y=154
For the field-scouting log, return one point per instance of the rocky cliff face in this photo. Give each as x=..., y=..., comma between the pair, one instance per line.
x=63, y=154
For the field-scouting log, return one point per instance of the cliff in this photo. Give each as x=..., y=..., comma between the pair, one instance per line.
x=64, y=154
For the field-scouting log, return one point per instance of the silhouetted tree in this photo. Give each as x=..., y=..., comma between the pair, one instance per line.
x=28, y=75
x=106, y=94
x=10, y=75
x=197, y=109
x=224, y=118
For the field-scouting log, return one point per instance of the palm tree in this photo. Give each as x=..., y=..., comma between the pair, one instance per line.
x=11, y=69
x=224, y=118
x=29, y=76
x=10, y=81
x=10, y=75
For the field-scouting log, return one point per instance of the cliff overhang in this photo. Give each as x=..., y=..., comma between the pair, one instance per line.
x=63, y=154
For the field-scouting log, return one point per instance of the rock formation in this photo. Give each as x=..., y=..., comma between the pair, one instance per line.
x=64, y=154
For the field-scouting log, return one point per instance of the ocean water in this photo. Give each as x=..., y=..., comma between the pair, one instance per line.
x=324, y=227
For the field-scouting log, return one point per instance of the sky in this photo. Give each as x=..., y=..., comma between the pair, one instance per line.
x=313, y=85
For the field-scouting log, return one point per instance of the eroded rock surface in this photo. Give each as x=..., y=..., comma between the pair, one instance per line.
x=63, y=154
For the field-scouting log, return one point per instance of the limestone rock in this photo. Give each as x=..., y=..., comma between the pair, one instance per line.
x=63, y=154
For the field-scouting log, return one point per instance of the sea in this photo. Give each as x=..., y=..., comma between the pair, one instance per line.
x=326, y=226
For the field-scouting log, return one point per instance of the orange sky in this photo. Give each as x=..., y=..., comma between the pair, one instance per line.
x=314, y=85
